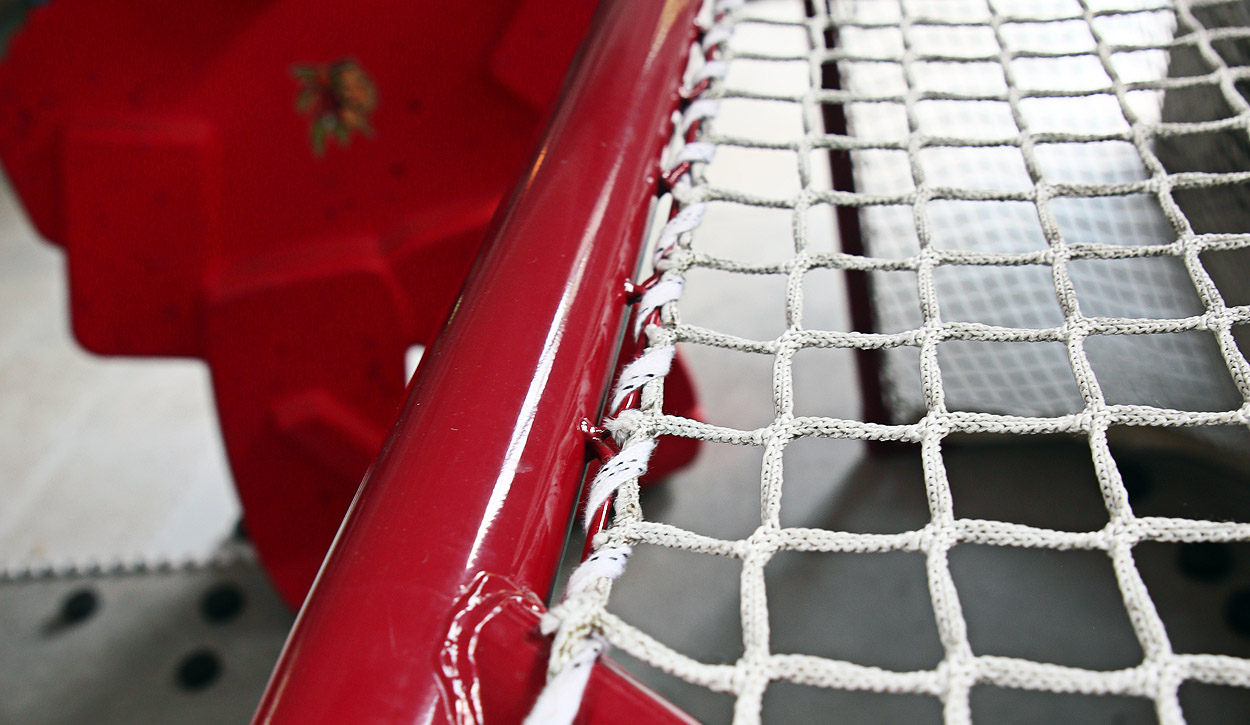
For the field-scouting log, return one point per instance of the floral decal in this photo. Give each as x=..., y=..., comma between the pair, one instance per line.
x=338, y=97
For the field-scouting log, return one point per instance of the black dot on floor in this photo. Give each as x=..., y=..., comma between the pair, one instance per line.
x=79, y=606
x=1237, y=612
x=222, y=603
x=1206, y=561
x=198, y=669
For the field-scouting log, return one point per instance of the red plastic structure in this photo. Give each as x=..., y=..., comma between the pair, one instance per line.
x=426, y=607
x=290, y=190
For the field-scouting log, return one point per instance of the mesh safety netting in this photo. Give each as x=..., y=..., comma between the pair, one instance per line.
x=1052, y=200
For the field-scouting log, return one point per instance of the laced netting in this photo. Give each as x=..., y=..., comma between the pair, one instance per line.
x=1043, y=249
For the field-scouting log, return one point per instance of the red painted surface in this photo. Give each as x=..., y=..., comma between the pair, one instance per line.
x=478, y=685
x=482, y=472
x=160, y=144
x=868, y=361
x=494, y=657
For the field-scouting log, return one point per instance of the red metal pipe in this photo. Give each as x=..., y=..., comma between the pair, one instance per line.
x=482, y=472
x=868, y=361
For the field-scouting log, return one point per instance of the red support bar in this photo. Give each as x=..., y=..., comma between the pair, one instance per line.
x=482, y=472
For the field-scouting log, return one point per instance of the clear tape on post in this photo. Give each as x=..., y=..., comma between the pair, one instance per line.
x=652, y=364
x=627, y=465
x=606, y=563
x=699, y=110
x=717, y=35
x=684, y=221
x=697, y=151
x=713, y=69
x=562, y=697
x=668, y=289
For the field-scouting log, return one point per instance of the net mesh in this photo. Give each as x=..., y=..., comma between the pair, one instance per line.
x=1020, y=209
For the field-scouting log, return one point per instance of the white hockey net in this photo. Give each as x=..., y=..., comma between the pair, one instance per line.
x=1048, y=256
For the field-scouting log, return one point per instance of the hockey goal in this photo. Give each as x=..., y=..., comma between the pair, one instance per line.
x=1043, y=230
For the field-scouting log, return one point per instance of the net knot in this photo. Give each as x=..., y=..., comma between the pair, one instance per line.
x=626, y=424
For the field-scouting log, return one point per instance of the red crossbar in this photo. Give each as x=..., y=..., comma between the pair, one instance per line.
x=479, y=479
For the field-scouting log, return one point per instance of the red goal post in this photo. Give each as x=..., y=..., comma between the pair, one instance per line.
x=426, y=607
